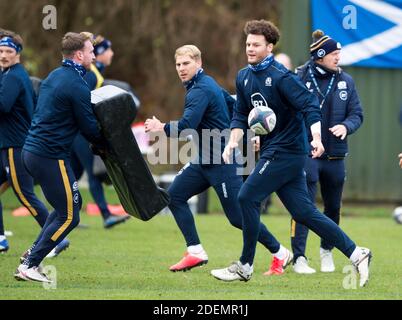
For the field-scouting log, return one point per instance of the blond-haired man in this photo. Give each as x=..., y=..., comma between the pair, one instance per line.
x=205, y=111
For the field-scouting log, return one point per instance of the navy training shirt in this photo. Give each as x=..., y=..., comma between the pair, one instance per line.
x=205, y=109
x=282, y=91
x=17, y=102
x=63, y=109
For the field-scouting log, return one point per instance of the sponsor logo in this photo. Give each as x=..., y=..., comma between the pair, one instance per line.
x=258, y=100
x=268, y=82
x=245, y=82
x=264, y=167
x=76, y=198
x=342, y=85
x=75, y=186
x=225, y=193
x=184, y=168
x=343, y=95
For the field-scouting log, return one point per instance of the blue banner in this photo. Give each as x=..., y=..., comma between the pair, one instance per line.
x=370, y=31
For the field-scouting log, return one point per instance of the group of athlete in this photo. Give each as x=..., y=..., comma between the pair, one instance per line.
x=316, y=109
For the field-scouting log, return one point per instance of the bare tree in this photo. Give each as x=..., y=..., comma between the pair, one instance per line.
x=145, y=34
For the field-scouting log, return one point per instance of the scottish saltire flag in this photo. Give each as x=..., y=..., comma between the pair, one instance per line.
x=370, y=31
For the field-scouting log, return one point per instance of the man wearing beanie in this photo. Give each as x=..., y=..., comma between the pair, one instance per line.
x=342, y=115
x=103, y=58
x=82, y=157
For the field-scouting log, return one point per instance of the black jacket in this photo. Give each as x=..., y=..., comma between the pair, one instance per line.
x=294, y=107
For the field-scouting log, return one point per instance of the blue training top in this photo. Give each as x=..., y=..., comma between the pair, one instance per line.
x=282, y=91
x=17, y=102
x=64, y=108
x=205, y=109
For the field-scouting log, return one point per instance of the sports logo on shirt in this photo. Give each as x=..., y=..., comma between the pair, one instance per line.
x=258, y=100
x=342, y=85
x=268, y=82
x=343, y=95
x=245, y=82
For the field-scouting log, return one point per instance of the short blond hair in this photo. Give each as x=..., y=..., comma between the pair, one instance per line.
x=190, y=50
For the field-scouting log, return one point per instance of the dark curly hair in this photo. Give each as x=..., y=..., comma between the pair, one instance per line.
x=263, y=27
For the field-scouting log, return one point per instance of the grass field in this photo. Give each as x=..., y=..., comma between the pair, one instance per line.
x=131, y=261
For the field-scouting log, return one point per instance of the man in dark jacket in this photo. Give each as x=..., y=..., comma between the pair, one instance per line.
x=17, y=101
x=283, y=154
x=206, y=114
x=63, y=109
x=342, y=115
